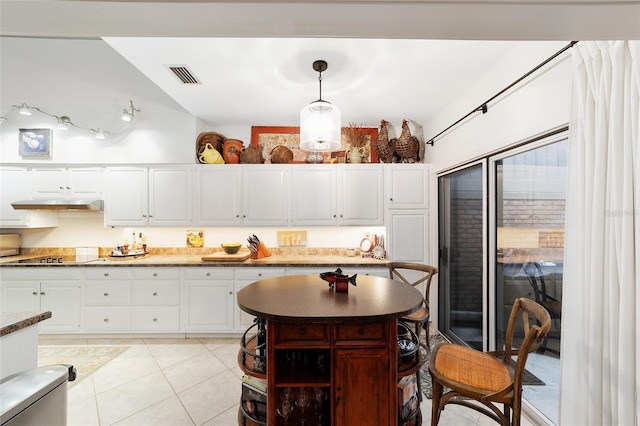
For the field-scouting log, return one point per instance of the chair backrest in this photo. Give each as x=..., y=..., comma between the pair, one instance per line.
x=536, y=323
x=534, y=274
x=399, y=270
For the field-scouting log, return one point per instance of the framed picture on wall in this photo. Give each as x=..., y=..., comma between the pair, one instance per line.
x=266, y=138
x=35, y=142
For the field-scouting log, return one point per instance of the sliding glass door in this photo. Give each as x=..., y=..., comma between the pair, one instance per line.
x=461, y=221
x=527, y=252
x=501, y=236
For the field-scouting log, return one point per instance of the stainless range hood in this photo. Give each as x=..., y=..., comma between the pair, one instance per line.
x=59, y=205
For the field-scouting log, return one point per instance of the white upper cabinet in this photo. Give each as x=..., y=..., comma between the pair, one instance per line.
x=265, y=196
x=313, y=195
x=14, y=186
x=137, y=196
x=407, y=186
x=73, y=183
x=218, y=195
x=336, y=195
x=360, y=194
x=126, y=196
x=170, y=196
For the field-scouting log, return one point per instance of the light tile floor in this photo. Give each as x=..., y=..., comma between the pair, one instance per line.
x=178, y=382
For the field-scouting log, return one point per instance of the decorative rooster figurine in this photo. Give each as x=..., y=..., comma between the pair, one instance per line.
x=407, y=147
x=383, y=148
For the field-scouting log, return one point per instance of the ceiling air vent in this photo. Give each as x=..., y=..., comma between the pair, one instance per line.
x=184, y=74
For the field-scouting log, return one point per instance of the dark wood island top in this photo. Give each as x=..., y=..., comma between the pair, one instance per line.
x=308, y=298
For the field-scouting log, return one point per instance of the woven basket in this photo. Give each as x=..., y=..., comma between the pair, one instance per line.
x=215, y=139
x=382, y=146
x=407, y=146
x=250, y=155
x=281, y=155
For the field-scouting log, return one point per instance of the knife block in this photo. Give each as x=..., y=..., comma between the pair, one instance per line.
x=263, y=251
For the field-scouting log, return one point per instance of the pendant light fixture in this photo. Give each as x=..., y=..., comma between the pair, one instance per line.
x=320, y=126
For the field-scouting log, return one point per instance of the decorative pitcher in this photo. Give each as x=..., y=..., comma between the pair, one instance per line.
x=231, y=149
x=356, y=154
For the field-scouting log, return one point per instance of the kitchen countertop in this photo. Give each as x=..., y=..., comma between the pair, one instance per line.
x=11, y=322
x=281, y=260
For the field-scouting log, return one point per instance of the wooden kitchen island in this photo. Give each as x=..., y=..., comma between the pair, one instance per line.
x=333, y=356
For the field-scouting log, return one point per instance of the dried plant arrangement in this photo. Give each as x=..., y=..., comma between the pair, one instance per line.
x=356, y=135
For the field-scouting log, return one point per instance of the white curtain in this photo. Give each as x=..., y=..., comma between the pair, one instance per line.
x=600, y=373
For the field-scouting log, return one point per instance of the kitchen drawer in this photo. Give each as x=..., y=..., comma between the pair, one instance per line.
x=155, y=293
x=103, y=294
x=112, y=318
x=367, y=333
x=200, y=273
x=257, y=274
x=156, y=274
x=114, y=273
x=289, y=334
x=153, y=318
x=37, y=273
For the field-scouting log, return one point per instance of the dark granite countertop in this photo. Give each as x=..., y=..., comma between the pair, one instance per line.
x=11, y=322
x=307, y=298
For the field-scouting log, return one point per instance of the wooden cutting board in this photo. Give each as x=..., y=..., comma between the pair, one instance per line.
x=221, y=256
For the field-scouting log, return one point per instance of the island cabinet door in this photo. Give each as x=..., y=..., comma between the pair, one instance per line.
x=362, y=388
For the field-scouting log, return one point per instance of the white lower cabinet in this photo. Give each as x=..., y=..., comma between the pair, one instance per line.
x=107, y=300
x=207, y=299
x=155, y=299
x=43, y=289
x=244, y=277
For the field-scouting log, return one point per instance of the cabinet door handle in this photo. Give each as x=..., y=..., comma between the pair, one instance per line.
x=150, y=215
x=60, y=187
x=391, y=199
x=155, y=274
x=260, y=274
x=106, y=294
x=155, y=320
x=155, y=293
x=106, y=274
x=42, y=293
x=35, y=293
x=144, y=215
x=208, y=274
x=106, y=320
x=231, y=292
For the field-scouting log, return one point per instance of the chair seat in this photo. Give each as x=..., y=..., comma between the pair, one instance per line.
x=472, y=368
x=418, y=316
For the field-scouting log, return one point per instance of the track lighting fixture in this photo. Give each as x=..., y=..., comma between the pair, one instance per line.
x=64, y=122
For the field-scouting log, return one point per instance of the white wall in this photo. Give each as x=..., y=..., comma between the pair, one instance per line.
x=89, y=82
x=87, y=230
x=539, y=103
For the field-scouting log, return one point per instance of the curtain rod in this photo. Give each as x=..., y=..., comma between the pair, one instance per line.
x=484, y=107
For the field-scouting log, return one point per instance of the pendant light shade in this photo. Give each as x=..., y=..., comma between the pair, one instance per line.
x=320, y=125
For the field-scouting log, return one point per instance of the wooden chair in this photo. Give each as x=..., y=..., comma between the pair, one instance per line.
x=420, y=318
x=489, y=378
x=535, y=275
